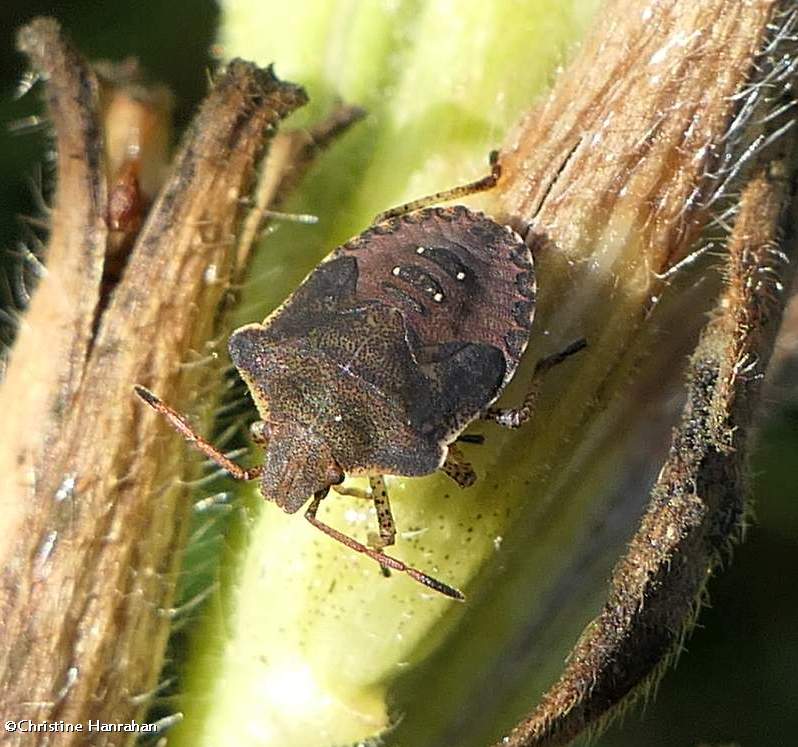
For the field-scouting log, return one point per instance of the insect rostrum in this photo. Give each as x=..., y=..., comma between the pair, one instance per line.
x=389, y=349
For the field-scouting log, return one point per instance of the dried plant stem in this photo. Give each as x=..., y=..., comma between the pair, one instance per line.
x=36, y=399
x=99, y=520
x=698, y=504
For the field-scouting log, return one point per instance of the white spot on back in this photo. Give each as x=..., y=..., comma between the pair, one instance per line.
x=396, y=270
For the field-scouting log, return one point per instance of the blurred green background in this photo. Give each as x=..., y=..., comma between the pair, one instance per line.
x=737, y=683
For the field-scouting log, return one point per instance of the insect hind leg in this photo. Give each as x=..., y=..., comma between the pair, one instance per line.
x=458, y=469
x=382, y=505
x=515, y=417
x=378, y=495
x=480, y=185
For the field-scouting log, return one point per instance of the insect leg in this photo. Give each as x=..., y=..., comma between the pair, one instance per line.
x=379, y=496
x=458, y=469
x=514, y=417
x=181, y=425
x=480, y=185
x=384, y=516
x=354, y=492
x=384, y=560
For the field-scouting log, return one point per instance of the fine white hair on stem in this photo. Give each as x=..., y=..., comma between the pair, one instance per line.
x=763, y=101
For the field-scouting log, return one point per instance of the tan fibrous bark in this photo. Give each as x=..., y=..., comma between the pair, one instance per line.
x=718, y=123
x=699, y=502
x=93, y=516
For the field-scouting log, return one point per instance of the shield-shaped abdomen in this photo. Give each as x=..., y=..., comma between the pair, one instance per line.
x=456, y=275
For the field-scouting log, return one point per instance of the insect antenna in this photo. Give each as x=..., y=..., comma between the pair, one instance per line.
x=182, y=426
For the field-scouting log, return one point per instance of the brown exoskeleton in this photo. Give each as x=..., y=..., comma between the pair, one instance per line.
x=389, y=349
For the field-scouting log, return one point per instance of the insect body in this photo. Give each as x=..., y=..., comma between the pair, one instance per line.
x=388, y=350
x=381, y=358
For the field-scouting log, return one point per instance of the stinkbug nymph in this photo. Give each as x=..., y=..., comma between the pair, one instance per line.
x=389, y=349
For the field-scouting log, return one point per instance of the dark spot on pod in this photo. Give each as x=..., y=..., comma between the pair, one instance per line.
x=516, y=340
x=522, y=313
x=525, y=283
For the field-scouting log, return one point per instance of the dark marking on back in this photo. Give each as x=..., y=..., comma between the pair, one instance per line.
x=395, y=292
x=521, y=259
x=522, y=313
x=448, y=261
x=516, y=340
x=454, y=275
x=419, y=279
x=525, y=283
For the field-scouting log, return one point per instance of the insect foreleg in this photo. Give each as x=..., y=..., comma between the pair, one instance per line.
x=384, y=560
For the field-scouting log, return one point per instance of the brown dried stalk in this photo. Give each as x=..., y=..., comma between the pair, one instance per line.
x=88, y=581
x=698, y=503
x=637, y=130
x=660, y=178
